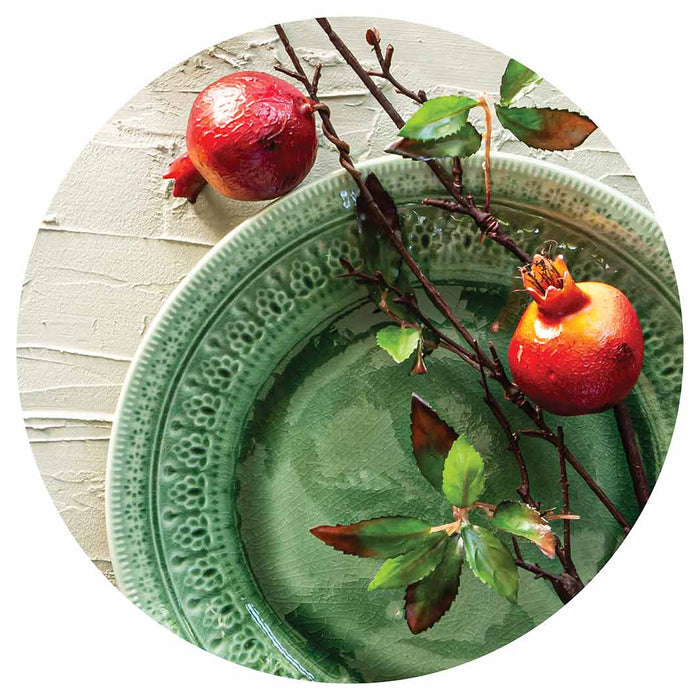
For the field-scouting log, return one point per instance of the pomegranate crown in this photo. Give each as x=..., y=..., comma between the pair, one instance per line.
x=551, y=285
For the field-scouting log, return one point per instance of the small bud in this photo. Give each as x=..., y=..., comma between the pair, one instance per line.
x=419, y=366
x=372, y=36
x=388, y=56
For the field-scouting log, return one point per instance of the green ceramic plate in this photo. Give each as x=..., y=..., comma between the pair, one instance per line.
x=260, y=406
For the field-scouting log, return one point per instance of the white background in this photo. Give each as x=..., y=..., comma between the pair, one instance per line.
x=66, y=67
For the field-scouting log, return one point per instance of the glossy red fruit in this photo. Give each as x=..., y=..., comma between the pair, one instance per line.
x=578, y=348
x=250, y=135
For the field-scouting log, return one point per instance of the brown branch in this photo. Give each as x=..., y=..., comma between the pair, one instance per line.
x=384, y=60
x=409, y=300
x=511, y=391
x=544, y=432
x=565, y=585
x=323, y=110
x=634, y=458
x=489, y=226
x=566, y=505
x=512, y=437
x=392, y=234
x=457, y=173
x=532, y=568
x=514, y=446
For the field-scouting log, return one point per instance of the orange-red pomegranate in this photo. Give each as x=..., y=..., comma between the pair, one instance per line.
x=578, y=347
x=250, y=135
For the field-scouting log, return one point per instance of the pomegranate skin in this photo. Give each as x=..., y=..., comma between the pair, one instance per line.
x=577, y=350
x=252, y=136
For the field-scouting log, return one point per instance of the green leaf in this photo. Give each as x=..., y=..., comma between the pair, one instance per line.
x=429, y=599
x=490, y=561
x=524, y=521
x=439, y=117
x=549, y=129
x=410, y=567
x=463, y=475
x=379, y=537
x=432, y=439
x=398, y=342
x=462, y=144
x=517, y=81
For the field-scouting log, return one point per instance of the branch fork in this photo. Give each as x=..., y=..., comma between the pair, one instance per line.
x=490, y=367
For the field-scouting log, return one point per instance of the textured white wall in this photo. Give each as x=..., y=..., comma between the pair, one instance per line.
x=114, y=243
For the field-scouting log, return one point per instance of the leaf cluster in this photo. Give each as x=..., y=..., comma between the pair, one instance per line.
x=440, y=127
x=427, y=559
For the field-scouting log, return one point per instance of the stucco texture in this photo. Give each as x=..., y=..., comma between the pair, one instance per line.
x=114, y=242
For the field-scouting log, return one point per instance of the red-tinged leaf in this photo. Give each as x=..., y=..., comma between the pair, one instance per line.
x=382, y=198
x=379, y=537
x=549, y=129
x=429, y=599
x=522, y=520
x=463, y=144
x=377, y=252
x=432, y=440
x=410, y=567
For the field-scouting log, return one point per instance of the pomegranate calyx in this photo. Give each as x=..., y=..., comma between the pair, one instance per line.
x=551, y=285
x=188, y=181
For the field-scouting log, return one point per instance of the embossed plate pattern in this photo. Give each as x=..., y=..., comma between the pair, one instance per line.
x=270, y=284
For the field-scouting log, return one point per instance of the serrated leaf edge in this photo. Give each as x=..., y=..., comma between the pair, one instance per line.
x=438, y=543
x=381, y=347
x=416, y=399
x=534, y=510
x=447, y=609
x=376, y=517
x=455, y=114
x=479, y=577
x=551, y=109
x=524, y=90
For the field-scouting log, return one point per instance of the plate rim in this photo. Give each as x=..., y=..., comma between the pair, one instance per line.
x=546, y=171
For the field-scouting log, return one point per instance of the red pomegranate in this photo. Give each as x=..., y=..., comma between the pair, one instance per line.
x=250, y=135
x=578, y=348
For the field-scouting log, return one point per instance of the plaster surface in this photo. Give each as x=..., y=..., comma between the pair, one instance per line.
x=114, y=243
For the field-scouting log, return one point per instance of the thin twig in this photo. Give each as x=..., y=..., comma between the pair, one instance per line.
x=566, y=505
x=513, y=441
x=489, y=226
x=487, y=153
x=514, y=446
x=394, y=236
x=384, y=60
x=544, y=432
x=485, y=221
x=409, y=300
x=634, y=458
x=532, y=568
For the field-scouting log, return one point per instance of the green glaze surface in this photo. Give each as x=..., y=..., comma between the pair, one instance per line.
x=260, y=406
